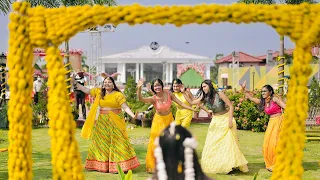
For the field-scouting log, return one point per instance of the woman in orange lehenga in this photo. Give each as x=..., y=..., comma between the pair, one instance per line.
x=162, y=118
x=110, y=142
x=272, y=105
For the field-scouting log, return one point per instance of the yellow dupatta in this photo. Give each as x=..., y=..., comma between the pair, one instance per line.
x=88, y=124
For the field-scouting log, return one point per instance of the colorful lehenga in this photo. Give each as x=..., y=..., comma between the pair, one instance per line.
x=159, y=123
x=110, y=142
x=271, y=139
x=183, y=116
x=221, y=153
x=272, y=135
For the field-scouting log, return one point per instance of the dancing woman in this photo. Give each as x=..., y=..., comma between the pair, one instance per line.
x=161, y=101
x=221, y=152
x=271, y=105
x=183, y=116
x=110, y=142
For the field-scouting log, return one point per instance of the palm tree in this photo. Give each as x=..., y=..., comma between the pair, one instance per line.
x=5, y=6
x=58, y=3
x=281, y=51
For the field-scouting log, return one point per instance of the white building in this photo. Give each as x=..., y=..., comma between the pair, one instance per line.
x=151, y=62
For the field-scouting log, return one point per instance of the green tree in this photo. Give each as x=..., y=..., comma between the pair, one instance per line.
x=314, y=93
x=132, y=98
x=130, y=90
x=84, y=66
x=41, y=107
x=281, y=51
x=215, y=69
x=5, y=6
x=58, y=3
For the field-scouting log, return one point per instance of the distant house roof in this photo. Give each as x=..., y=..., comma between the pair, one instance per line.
x=243, y=58
x=314, y=51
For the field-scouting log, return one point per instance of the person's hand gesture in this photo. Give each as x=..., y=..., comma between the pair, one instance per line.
x=149, y=86
x=73, y=81
x=243, y=85
x=136, y=115
x=140, y=83
x=182, y=88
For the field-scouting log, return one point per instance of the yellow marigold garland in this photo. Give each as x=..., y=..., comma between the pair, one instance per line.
x=21, y=83
x=56, y=25
x=65, y=154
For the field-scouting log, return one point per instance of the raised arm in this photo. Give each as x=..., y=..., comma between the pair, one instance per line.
x=142, y=99
x=251, y=98
x=248, y=95
x=79, y=86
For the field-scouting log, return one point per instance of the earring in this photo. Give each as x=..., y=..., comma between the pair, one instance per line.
x=179, y=169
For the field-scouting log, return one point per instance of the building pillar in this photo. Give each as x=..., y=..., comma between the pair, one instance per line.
x=102, y=68
x=141, y=71
x=170, y=72
x=207, y=70
x=121, y=68
x=137, y=72
x=167, y=72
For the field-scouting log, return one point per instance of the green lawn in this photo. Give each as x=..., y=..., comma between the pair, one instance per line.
x=250, y=144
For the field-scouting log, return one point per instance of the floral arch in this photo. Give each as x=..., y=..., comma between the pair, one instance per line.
x=47, y=28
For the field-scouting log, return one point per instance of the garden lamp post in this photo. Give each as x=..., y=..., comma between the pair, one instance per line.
x=253, y=73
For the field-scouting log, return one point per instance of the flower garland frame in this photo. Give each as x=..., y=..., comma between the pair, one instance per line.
x=47, y=28
x=198, y=67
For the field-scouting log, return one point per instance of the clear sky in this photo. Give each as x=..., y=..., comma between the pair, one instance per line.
x=205, y=40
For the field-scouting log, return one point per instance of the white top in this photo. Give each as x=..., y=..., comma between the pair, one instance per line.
x=37, y=86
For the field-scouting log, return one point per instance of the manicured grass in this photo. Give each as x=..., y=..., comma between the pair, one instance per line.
x=250, y=144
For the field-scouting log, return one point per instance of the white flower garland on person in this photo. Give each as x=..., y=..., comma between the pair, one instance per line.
x=161, y=166
x=172, y=128
x=189, y=143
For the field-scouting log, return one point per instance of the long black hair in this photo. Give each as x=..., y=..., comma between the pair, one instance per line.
x=103, y=90
x=154, y=81
x=263, y=100
x=173, y=153
x=175, y=81
x=210, y=96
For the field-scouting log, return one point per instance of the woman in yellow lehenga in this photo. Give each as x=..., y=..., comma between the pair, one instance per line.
x=272, y=105
x=161, y=101
x=110, y=142
x=221, y=153
x=183, y=116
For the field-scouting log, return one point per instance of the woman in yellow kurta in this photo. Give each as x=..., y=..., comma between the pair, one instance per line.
x=183, y=116
x=110, y=142
x=271, y=105
x=161, y=101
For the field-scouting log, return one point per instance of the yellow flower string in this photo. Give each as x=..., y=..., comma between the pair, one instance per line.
x=65, y=153
x=21, y=83
x=42, y=27
x=292, y=137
